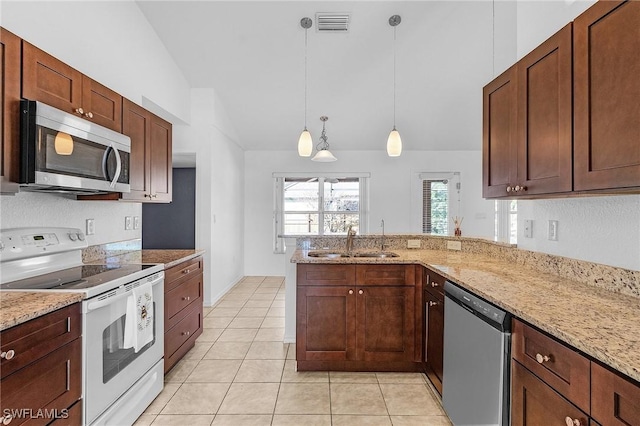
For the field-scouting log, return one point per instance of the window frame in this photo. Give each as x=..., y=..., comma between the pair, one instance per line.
x=454, y=186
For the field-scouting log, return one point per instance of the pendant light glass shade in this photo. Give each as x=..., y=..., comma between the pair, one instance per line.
x=305, y=144
x=324, y=156
x=63, y=144
x=394, y=144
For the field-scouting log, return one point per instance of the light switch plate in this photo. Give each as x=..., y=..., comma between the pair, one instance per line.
x=528, y=228
x=413, y=244
x=136, y=222
x=91, y=227
x=128, y=223
x=454, y=245
x=553, y=230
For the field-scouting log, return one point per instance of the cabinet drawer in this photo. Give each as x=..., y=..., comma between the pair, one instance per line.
x=182, y=296
x=52, y=383
x=615, y=400
x=182, y=331
x=385, y=275
x=73, y=416
x=326, y=274
x=433, y=282
x=179, y=273
x=558, y=365
x=36, y=338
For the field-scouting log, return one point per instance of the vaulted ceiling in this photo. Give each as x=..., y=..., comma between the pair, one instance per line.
x=252, y=53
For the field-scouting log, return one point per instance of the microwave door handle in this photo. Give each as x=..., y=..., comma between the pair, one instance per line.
x=118, y=167
x=105, y=161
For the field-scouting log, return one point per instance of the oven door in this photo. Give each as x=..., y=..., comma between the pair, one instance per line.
x=110, y=370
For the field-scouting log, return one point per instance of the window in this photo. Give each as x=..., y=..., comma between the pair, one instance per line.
x=437, y=198
x=506, y=221
x=318, y=205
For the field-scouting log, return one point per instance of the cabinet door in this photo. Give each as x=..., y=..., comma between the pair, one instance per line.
x=326, y=323
x=136, y=123
x=385, y=323
x=9, y=110
x=607, y=89
x=499, y=122
x=535, y=403
x=49, y=80
x=160, y=166
x=434, y=338
x=615, y=400
x=101, y=105
x=544, y=117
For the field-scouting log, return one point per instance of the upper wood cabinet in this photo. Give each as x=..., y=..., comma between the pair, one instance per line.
x=51, y=81
x=9, y=110
x=527, y=124
x=160, y=146
x=607, y=90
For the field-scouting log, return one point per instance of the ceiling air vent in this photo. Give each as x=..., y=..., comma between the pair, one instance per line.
x=332, y=22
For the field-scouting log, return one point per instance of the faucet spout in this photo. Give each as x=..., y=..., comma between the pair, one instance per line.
x=350, y=234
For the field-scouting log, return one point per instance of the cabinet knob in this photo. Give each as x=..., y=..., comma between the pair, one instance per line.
x=186, y=333
x=79, y=111
x=350, y=291
x=509, y=188
x=8, y=354
x=360, y=291
x=434, y=284
x=89, y=114
x=187, y=298
x=542, y=358
x=572, y=422
x=432, y=303
x=185, y=271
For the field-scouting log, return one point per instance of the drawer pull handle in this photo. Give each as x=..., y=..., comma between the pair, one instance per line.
x=360, y=291
x=187, y=298
x=432, y=303
x=6, y=419
x=185, y=271
x=350, y=291
x=542, y=358
x=186, y=333
x=434, y=284
x=572, y=422
x=8, y=354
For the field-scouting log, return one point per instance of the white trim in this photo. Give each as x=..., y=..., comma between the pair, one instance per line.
x=319, y=175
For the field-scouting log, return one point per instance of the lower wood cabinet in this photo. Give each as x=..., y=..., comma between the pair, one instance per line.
x=434, y=327
x=183, y=302
x=358, y=326
x=42, y=370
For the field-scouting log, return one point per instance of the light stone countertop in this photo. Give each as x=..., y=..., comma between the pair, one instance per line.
x=169, y=257
x=598, y=322
x=17, y=307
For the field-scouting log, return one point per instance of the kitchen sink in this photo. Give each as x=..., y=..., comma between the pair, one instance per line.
x=327, y=254
x=379, y=254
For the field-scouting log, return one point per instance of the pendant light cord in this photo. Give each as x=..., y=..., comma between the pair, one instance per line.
x=306, y=31
x=394, y=77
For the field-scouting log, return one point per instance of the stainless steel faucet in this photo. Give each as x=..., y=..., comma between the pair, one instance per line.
x=350, y=234
x=382, y=244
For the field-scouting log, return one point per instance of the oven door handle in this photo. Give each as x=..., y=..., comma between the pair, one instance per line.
x=92, y=306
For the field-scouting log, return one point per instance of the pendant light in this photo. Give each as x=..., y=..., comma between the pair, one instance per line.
x=394, y=142
x=323, y=155
x=305, y=143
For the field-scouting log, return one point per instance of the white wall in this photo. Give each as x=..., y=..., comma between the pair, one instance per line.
x=597, y=229
x=390, y=195
x=219, y=193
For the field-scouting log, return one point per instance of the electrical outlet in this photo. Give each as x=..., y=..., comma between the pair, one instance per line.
x=454, y=245
x=128, y=223
x=528, y=228
x=413, y=244
x=553, y=230
x=91, y=227
x=136, y=222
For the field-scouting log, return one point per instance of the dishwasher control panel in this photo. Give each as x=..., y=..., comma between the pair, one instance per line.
x=478, y=306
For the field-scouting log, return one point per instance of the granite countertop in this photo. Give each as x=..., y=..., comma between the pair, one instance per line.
x=169, y=257
x=598, y=322
x=17, y=307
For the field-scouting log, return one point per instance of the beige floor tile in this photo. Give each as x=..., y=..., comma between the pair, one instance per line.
x=345, y=420
x=266, y=290
x=250, y=398
x=358, y=399
x=228, y=350
x=253, y=279
x=145, y=420
x=298, y=420
x=161, y=400
x=217, y=322
x=232, y=303
x=181, y=371
x=215, y=371
x=224, y=312
x=238, y=335
x=273, y=322
x=258, y=304
x=258, y=296
x=290, y=375
x=277, y=304
x=414, y=378
x=275, y=312
x=409, y=399
x=270, y=335
x=420, y=421
x=182, y=419
x=303, y=398
x=199, y=349
x=210, y=334
x=197, y=398
x=292, y=351
x=253, y=312
x=260, y=371
x=242, y=420
x=267, y=350
x=238, y=295
x=349, y=377
x=206, y=310
x=245, y=322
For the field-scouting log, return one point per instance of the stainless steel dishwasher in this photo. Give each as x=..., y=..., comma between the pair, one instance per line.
x=477, y=342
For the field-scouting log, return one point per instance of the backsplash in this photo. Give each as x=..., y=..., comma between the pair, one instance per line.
x=619, y=280
x=102, y=251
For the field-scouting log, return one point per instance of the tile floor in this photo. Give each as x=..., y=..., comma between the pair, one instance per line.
x=240, y=373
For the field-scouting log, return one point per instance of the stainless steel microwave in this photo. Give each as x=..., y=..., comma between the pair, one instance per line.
x=61, y=152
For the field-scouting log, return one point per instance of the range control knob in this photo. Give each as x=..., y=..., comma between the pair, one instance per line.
x=73, y=236
x=80, y=236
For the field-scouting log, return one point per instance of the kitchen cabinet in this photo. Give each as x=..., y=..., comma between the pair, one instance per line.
x=607, y=89
x=527, y=138
x=434, y=327
x=356, y=317
x=41, y=368
x=51, y=81
x=615, y=400
x=183, y=309
x=10, y=55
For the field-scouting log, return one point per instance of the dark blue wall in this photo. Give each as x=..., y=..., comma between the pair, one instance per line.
x=173, y=225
